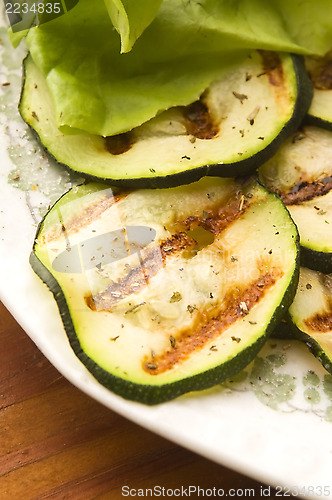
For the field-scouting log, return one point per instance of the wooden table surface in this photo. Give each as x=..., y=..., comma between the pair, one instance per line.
x=58, y=443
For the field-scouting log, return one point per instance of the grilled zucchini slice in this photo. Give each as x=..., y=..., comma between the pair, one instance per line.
x=301, y=174
x=167, y=291
x=311, y=314
x=236, y=125
x=320, y=72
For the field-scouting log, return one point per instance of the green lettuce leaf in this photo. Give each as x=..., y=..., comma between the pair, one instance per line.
x=130, y=18
x=96, y=89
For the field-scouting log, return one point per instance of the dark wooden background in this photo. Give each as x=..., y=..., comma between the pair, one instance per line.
x=58, y=443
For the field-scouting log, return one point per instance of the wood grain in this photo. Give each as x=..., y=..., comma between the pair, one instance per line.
x=57, y=443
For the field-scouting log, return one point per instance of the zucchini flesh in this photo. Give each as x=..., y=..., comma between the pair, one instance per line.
x=320, y=72
x=183, y=303
x=301, y=174
x=237, y=124
x=311, y=314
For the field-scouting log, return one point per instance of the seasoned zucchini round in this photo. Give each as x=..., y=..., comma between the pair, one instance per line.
x=320, y=72
x=310, y=314
x=167, y=291
x=236, y=125
x=301, y=174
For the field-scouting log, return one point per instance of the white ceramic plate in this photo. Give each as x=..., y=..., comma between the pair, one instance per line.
x=274, y=423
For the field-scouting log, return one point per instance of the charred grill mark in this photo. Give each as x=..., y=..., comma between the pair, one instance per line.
x=199, y=122
x=219, y=221
x=139, y=276
x=176, y=243
x=210, y=324
x=321, y=322
x=92, y=212
x=129, y=284
x=273, y=68
x=119, y=144
x=320, y=73
x=323, y=81
x=305, y=191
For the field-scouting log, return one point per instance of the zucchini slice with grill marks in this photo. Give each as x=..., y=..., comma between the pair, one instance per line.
x=236, y=125
x=167, y=291
x=310, y=314
x=320, y=72
x=301, y=174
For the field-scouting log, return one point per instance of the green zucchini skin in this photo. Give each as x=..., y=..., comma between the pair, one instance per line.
x=316, y=121
x=294, y=325
x=318, y=261
x=154, y=394
x=301, y=174
x=287, y=330
x=240, y=167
